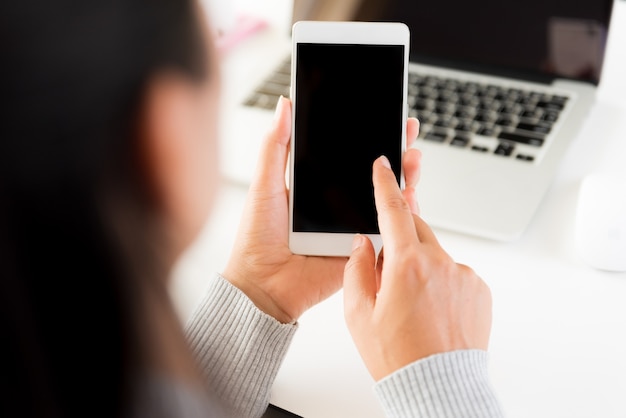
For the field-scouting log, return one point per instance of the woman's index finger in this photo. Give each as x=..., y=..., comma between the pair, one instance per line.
x=395, y=219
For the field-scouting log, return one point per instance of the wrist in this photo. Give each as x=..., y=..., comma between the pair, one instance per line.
x=261, y=299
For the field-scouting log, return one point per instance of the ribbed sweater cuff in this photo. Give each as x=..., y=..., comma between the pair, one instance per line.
x=239, y=347
x=453, y=384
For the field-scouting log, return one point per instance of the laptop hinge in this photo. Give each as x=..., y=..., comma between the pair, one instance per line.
x=482, y=70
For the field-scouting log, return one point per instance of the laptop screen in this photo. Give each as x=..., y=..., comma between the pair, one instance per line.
x=533, y=39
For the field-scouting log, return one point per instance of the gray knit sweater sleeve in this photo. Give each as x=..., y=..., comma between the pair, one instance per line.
x=447, y=385
x=238, y=347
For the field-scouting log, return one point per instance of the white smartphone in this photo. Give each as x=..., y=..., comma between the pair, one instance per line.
x=349, y=98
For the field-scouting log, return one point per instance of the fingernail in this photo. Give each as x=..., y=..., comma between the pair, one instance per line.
x=279, y=108
x=357, y=242
x=385, y=161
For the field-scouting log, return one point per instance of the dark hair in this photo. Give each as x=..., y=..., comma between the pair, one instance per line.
x=78, y=235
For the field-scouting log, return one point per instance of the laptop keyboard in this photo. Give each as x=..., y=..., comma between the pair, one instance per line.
x=485, y=118
x=266, y=95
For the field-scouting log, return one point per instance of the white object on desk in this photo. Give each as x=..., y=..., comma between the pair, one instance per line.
x=601, y=222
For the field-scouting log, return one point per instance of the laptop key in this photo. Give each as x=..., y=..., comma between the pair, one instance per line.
x=460, y=141
x=443, y=122
x=468, y=100
x=427, y=117
x=464, y=113
x=442, y=110
x=550, y=116
x=484, y=117
x=427, y=93
x=464, y=126
x=540, y=128
x=530, y=114
x=509, y=108
x=504, y=121
x=437, y=136
x=560, y=99
x=485, y=105
x=487, y=131
x=505, y=149
x=420, y=104
x=522, y=138
x=551, y=105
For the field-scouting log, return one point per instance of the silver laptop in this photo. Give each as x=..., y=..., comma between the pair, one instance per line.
x=500, y=89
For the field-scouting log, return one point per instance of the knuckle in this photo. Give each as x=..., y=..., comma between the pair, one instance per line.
x=351, y=268
x=469, y=275
x=415, y=266
x=395, y=203
x=438, y=265
x=466, y=271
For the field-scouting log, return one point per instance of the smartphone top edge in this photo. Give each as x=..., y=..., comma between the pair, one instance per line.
x=320, y=24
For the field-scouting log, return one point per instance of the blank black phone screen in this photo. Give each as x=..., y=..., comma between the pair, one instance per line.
x=348, y=112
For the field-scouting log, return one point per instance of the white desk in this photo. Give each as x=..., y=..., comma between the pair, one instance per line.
x=558, y=345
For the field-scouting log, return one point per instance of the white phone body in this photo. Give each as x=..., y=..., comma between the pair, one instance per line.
x=349, y=98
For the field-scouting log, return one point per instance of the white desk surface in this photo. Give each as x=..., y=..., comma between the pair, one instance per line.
x=558, y=342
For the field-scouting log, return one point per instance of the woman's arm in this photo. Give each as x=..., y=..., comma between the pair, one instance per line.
x=238, y=347
x=452, y=384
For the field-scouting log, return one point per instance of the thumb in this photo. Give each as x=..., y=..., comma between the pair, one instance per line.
x=270, y=171
x=359, y=279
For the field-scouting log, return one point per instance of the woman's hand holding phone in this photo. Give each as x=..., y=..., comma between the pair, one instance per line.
x=414, y=301
x=280, y=283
